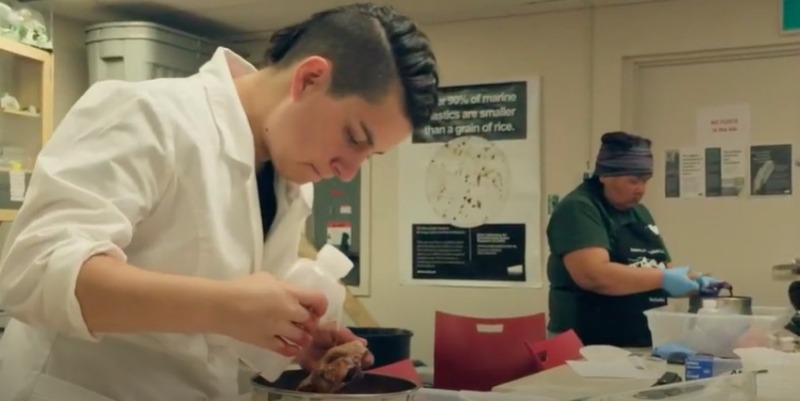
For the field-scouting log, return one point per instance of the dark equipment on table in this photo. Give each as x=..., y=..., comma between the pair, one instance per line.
x=388, y=345
x=794, y=298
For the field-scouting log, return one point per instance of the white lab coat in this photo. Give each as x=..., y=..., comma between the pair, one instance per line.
x=161, y=173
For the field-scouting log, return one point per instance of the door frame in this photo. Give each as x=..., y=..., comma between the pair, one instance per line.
x=632, y=67
x=365, y=231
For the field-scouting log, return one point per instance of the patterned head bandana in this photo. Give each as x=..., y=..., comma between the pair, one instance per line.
x=624, y=154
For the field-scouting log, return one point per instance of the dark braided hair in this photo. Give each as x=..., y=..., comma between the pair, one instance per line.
x=371, y=47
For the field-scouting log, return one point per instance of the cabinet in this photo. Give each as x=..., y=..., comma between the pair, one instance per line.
x=26, y=117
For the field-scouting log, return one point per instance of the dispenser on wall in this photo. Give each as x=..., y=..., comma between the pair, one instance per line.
x=791, y=272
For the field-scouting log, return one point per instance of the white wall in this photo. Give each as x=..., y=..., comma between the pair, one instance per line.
x=579, y=57
x=71, y=65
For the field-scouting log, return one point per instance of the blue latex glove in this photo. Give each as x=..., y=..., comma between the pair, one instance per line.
x=676, y=282
x=705, y=281
x=663, y=351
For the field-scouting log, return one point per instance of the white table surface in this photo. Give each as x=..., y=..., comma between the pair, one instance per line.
x=563, y=384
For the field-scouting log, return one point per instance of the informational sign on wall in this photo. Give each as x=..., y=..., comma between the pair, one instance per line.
x=337, y=221
x=13, y=186
x=727, y=126
x=722, y=171
x=726, y=172
x=684, y=173
x=771, y=170
x=469, y=189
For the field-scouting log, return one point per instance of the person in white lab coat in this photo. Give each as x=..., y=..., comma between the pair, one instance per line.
x=161, y=214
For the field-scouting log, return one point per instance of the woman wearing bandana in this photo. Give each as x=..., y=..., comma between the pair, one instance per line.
x=608, y=262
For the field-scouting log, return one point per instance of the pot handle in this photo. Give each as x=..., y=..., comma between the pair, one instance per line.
x=714, y=290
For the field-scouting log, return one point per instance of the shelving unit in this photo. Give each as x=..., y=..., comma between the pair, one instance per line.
x=22, y=113
x=26, y=74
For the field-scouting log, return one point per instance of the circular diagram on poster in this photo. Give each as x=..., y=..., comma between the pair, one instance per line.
x=467, y=181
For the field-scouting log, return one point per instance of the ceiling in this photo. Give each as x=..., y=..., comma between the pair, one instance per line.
x=243, y=18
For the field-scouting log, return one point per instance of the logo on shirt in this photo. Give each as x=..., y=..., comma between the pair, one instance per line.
x=653, y=251
x=645, y=262
x=654, y=229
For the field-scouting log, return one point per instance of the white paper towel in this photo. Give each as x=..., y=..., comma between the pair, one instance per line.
x=780, y=381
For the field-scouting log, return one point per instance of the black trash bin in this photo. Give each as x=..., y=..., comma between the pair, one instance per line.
x=389, y=345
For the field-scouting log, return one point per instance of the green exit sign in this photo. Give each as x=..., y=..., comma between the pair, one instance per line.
x=790, y=16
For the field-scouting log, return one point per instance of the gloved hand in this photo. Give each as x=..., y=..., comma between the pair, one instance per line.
x=664, y=351
x=676, y=281
x=705, y=281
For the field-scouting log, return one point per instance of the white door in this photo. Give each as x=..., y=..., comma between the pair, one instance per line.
x=735, y=238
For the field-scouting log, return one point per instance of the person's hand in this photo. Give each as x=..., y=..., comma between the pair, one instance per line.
x=664, y=351
x=325, y=337
x=676, y=281
x=706, y=281
x=266, y=312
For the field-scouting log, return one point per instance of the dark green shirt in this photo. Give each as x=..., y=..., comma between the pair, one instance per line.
x=583, y=219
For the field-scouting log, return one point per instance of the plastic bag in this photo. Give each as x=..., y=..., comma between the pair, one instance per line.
x=24, y=24
x=779, y=381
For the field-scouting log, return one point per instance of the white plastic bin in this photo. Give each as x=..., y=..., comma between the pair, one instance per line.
x=137, y=51
x=715, y=334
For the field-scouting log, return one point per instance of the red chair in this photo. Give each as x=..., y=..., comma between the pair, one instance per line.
x=557, y=350
x=477, y=354
x=402, y=369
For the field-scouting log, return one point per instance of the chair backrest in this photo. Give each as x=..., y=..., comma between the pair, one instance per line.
x=472, y=353
x=401, y=369
x=556, y=351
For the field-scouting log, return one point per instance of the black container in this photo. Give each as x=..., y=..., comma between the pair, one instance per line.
x=389, y=345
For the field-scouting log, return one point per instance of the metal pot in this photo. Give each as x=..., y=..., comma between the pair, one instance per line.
x=734, y=305
x=727, y=305
x=372, y=387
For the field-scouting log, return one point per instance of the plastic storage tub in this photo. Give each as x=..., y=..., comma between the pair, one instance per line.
x=715, y=334
x=136, y=51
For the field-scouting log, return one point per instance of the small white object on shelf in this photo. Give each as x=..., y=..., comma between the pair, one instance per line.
x=8, y=102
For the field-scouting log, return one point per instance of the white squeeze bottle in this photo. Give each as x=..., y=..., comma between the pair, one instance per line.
x=322, y=275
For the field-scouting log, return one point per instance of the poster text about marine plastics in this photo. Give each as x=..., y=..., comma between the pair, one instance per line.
x=469, y=189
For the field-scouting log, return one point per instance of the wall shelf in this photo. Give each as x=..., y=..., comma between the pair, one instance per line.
x=26, y=73
x=26, y=51
x=7, y=214
x=21, y=113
